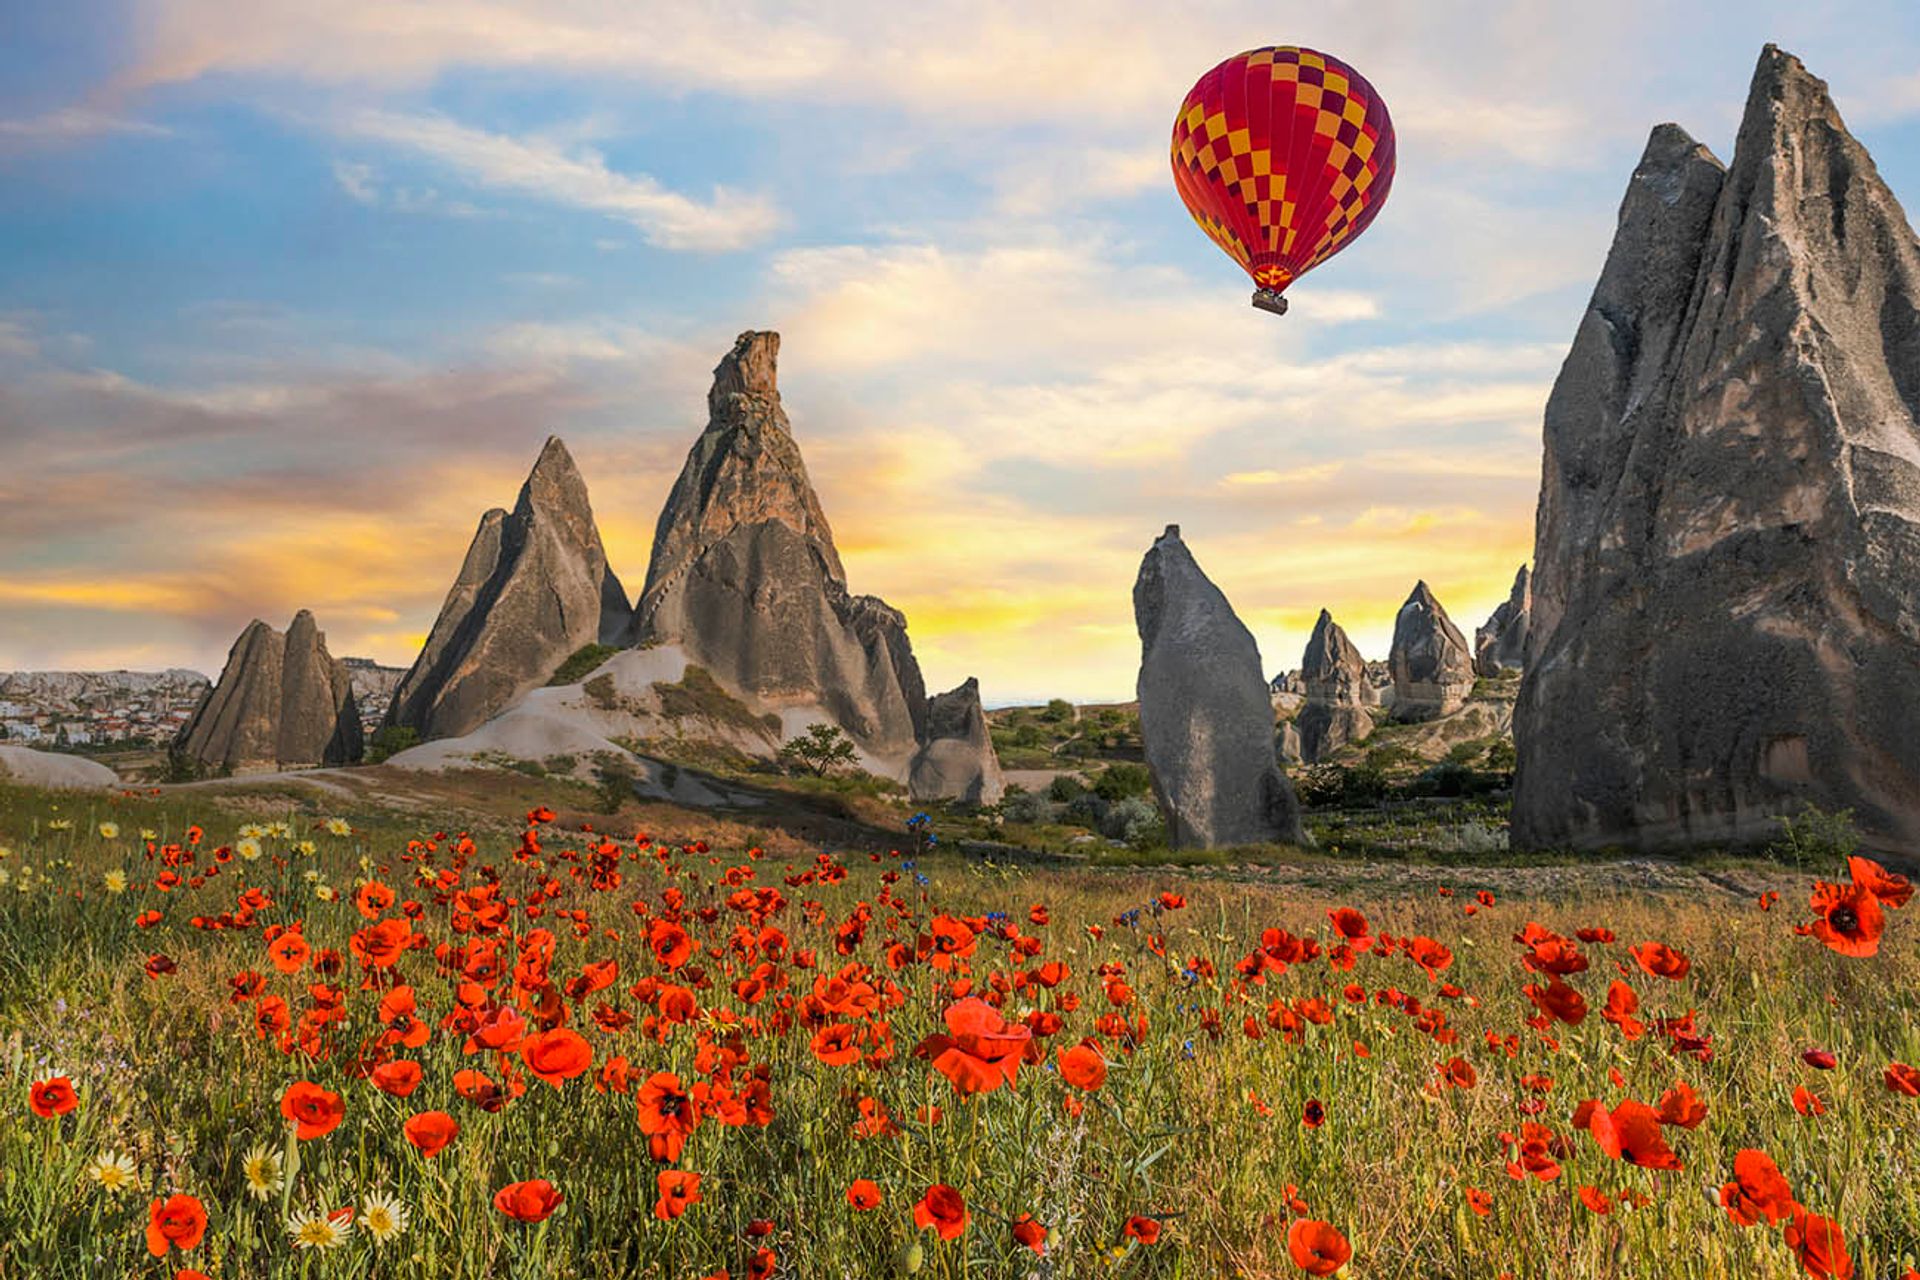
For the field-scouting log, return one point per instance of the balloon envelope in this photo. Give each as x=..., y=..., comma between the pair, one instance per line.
x=1283, y=155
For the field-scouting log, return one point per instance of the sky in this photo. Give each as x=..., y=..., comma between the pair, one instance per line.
x=291, y=292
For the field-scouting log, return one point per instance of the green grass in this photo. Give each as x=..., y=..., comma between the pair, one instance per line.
x=1198, y=1124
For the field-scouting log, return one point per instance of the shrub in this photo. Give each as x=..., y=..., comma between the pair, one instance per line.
x=1026, y=806
x=1059, y=709
x=1816, y=838
x=391, y=740
x=1065, y=788
x=580, y=663
x=1086, y=810
x=1121, y=780
x=613, y=779
x=1131, y=819
x=601, y=693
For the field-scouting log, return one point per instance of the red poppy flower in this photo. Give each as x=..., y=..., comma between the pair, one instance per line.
x=1479, y=1201
x=1316, y=1247
x=981, y=1051
x=1145, y=1230
x=1661, y=960
x=431, y=1131
x=837, y=1045
x=1903, y=1079
x=1313, y=1114
x=1820, y=1059
x=531, y=1201
x=288, y=952
x=672, y=946
x=1816, y=1241
x=1596, y=1200
x=52, y=1097
x=557, y=1056
x=1757, y=1191
x=177, y=1222
x=863, y=1194
x=678, y=1189
x=1892, y=890
x=1083, y=1066
x=1631, y=1132
x=314, y=1111
x=1806, y=1103
x=943, y=1209
x=399, y=1077
x=1621, y=1010
x=1681, y=1107
x=668, y=1114
x=1850, y=919
x=1031, y=1234
x=762, y=1264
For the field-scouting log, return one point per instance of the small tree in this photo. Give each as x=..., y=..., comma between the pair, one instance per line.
x=820, y=749
x=613, y=778
x=391, y=740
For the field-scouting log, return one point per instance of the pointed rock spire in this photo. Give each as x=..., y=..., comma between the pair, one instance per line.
x=1337, y=693
x=1500, y=643
x=1432, y=666
x=535, y=587
x=1206, y=722
x=282, y=701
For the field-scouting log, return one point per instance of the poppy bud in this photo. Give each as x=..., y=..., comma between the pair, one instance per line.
x=912, y=1258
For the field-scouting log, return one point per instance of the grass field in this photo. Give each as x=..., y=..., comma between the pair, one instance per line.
x=661, y=1053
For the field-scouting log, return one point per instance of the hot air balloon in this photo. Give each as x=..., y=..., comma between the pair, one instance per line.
x=1282, y=155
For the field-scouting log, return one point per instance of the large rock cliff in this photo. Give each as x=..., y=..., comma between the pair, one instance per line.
x=1726, y=614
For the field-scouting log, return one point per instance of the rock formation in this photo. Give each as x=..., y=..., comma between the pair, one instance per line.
x=282, y=701
x=745, y=578
x=1205, y=719
x=956, y=759
x=535, y=587
x=1500, y=643
x=1432, y=666
x=1337, y=690
x=1726, y=616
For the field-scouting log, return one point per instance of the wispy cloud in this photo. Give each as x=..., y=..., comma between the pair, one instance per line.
x=71, y=123
x=579, y=178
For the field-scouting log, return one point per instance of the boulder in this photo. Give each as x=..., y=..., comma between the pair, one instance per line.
x=956, y=760
x=1338, y=693
x=1500, y=643
x=55, y=770
x=282, y=701
x=744, y=577
x=1726, y=613
x=1205, y=719
x=1431, y=664
x=535, y=588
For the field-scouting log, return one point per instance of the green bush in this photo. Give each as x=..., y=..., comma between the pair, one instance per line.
x=581, y=663
x=1816, y=839
x=1122, y=780
x=391, y=740
x=1065, y=788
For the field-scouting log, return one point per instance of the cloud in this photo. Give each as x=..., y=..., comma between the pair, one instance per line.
x=579, y=179
x=356, y=180
x=69, y=124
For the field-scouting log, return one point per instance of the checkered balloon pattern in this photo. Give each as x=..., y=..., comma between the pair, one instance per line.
x=1283, y=156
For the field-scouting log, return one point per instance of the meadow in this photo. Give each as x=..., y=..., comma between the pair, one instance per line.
x=264, y=1039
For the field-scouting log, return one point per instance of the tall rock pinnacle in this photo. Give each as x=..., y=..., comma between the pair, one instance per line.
x=1726, y=619
x=535, y=587
x=1206, y=722
x=282, y=701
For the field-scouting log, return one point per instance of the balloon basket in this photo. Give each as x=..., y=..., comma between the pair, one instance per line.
x=1270, y=300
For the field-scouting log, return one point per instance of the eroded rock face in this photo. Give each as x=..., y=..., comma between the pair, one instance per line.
x=1338, y=693
x=957, y=761
x=1500, y=643
x=534, y=588
x=1206, y=721
x=1726, y=617
x=744, y=576
x=1431, y=664
x=282, y=701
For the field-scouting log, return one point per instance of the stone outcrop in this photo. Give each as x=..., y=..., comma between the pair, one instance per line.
x=1500, y=643
x=535, y=587
x=956, y=760
x=282, y=701
x=1206, y=721
x=1726, y=613
x=745, y=578
x=1431, y=664
x=1338, y=693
